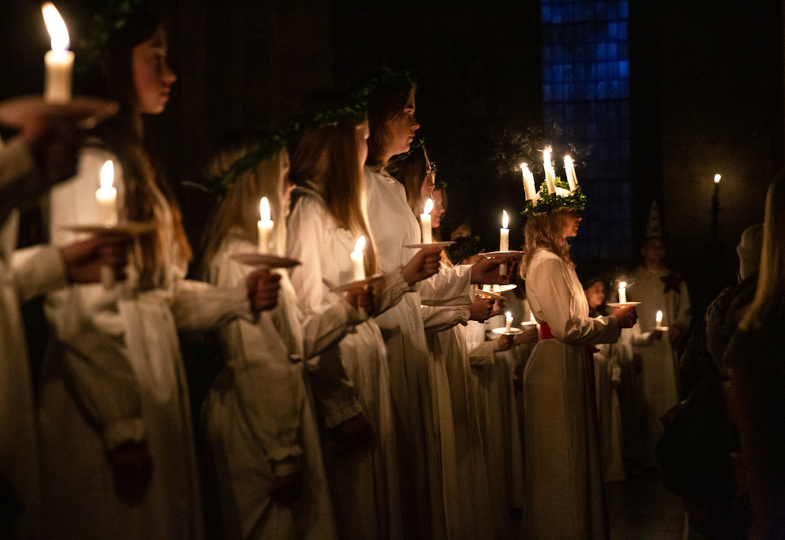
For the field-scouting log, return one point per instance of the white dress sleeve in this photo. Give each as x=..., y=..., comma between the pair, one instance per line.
x=555, y=297
x=37, y=270
x=451, y=286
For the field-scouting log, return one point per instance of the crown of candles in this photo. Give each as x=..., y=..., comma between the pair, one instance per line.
x=554, y=193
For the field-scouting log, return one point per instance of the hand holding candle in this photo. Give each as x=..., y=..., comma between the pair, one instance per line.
x=59, y=61
x=358, y=262
x=265, y=226
x=425, y=222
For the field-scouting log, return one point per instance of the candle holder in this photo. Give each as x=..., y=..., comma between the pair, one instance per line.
x=622, y=304
x=265, y=259
x=429, y=244
x=370, y=280
x=502, y=330
x=84, y=111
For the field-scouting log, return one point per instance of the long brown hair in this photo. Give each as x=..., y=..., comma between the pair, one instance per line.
x=411, y=171
x=387, y=92
x=327, y=158
x=546, y=231
x=769, y=298
x=123, y=135
x=239, y=210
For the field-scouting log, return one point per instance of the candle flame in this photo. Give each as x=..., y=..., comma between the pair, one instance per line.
x=532, y=319
x=360, y=245
x=428, y=206
x=659, y=316
x=622, y=284
x=264, y=209
x=524, y=167
x=509, y=316
x=55, y=25
x=505, y=220
x=717, y=178
x=107, y=175
x=567, y=161
x=546, y=157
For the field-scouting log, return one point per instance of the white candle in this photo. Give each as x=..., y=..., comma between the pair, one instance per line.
x=546, y=158
x=59, y=61
x=265, y=225
x=425, y=222
x=504, y=233
x=569, y=168
x=532, y=319
x=623, y=292
x=508, y=326
x=528, y=182
x=106, y=196
x=358, y=264
x=550, y=179
x=659, y=320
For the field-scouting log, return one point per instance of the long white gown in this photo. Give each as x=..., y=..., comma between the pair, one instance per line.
x=492, y=375
x=563, y=480
x=23, y=275
x=364, y=483
x=467, y=499
x=260, y=421
x=393, y=225
x=659, y=374
x=114, y=373
x=608, y=361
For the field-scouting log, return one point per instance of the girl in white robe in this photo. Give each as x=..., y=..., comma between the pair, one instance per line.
x=326, y=221
x=262, y=438
x=563, y=481
x=394, y=225
x=117, y=449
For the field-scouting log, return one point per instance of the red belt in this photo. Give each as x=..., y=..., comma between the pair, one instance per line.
x=545, y=333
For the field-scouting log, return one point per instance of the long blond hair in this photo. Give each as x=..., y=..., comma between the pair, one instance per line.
x=327, y=158
x=769, y=298
x=546, y=231
x=239, y=210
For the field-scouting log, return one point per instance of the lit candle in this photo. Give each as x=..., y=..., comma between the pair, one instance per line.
x=59, y=61
x=265, y=225
x=569, y=168
x=528, y=182
x=623, y=292
x=425, y=222
x=550, y=176
x=106, y=196
x=508, y=326
x=532, y=319
x=504, y=233
x=659, y=320
x=358, y=264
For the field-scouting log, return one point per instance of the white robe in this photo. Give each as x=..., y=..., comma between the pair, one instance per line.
x=23, y=275
x=364, y=483
x=259, y=419
x=659, y=375
x=467, y=500
x=393, y=225
x=492, y=374
x=114, y=373
x=563, y=481
x=607, y=380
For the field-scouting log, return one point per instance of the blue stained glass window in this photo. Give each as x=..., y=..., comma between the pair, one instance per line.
x=586, y=91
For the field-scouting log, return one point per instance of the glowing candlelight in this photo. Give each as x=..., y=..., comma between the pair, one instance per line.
x=425, y=222
x=717, y=178
x=528, y=182
x=265, y=225
x=508, y=320
x=358, y=263
x=623, y=292
x=549, y=174
x=532, y=319
x=569, y=168
x=59, y=61
x=504, y=232
x=659, y=320
x=106, y=196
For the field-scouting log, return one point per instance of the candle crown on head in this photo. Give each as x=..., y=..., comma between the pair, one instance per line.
x=554, y=193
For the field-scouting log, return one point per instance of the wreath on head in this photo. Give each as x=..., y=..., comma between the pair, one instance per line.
x=545, y=202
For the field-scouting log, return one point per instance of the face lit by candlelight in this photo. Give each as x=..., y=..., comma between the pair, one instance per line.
x=152, y=76
x=400, y=129
x=595, y=294
x=437, y=212
x=429, y=183
x=571, y=219
x=361, y=140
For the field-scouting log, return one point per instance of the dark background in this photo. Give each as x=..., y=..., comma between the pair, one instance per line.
x=706, y=94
